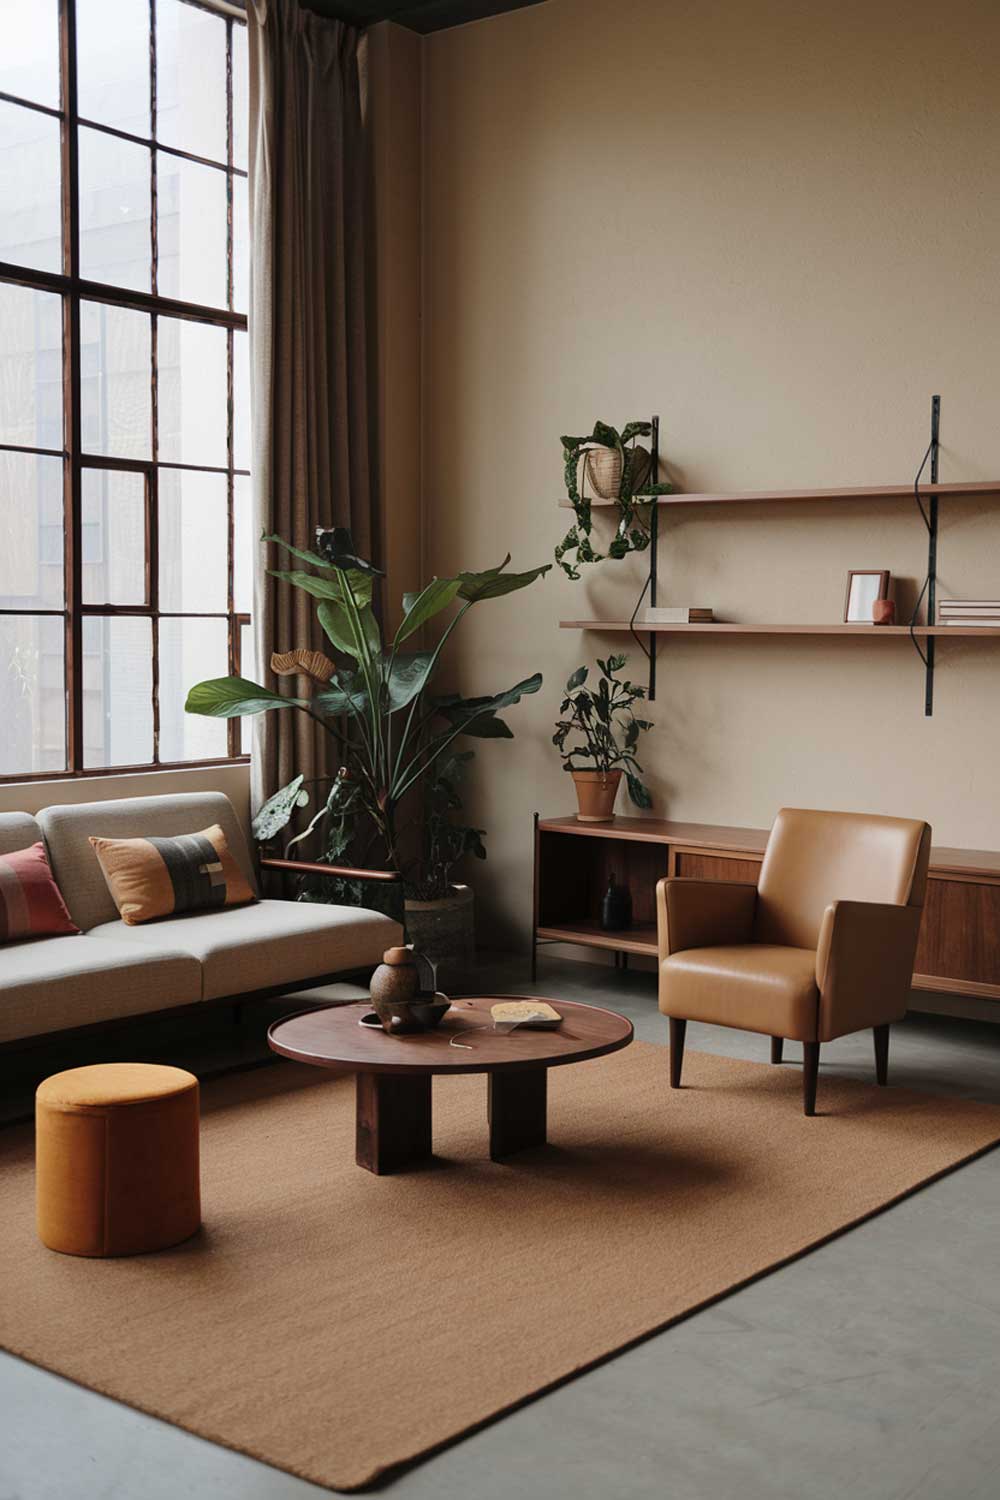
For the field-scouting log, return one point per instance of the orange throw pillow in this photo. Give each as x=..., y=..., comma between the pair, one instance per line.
x=162, y=877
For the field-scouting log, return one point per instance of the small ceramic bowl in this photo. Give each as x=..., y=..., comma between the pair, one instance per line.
x=402, y=1017
x=430, y=1010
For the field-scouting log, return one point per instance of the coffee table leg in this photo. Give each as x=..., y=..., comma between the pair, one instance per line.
x=393, y=1120
x=516, y=1109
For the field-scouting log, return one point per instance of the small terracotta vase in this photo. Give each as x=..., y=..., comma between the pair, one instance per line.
x=394, y=985
x=884, y=612
x=596, y=792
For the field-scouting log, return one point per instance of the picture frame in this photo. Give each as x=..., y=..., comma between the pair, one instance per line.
x=864, y=587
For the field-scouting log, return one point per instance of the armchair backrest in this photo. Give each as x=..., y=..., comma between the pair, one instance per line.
x=815, y=858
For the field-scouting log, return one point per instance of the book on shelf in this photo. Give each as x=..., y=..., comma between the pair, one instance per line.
x=676, y=614
x=969, y=606
x=991, y=621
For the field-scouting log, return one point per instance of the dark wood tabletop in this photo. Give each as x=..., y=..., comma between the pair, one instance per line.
x=334, y=1039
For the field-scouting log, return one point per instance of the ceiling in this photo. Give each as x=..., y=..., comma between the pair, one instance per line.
x=418, y=15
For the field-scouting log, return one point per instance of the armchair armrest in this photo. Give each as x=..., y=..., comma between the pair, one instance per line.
x=703, y=913
x=864, y=965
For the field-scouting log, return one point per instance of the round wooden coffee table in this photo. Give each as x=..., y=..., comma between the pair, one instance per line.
x=394, y=1073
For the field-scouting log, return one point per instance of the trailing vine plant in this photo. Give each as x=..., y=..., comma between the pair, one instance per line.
x=632, y=530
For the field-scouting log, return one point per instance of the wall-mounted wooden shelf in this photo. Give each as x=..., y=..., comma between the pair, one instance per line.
x=926, y=497
x=728, y=627
x=852, y=492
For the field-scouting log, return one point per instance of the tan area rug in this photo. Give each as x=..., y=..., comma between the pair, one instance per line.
x=336, y=1324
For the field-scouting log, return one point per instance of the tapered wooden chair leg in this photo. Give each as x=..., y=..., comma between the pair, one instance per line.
x=677, y=1030
x=810, y=1075
x=777, y=1043
x=881, y=1035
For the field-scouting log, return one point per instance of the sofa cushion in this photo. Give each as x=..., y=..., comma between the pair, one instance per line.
x=17, y=831
x=68, y=831
x=162, y=877
x=30, y=903
x=271, y=943
x=50, y=984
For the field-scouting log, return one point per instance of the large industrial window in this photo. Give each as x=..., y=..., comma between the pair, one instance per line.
x=125, y=548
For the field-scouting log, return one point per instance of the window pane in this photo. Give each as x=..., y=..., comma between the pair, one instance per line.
x=115, y=180
x=241, y=97
x=29, y=56
x=113, y=519
x=192, y=392
x=191, y=213
x=191, y=79
x=241, y=401
x=115, y=400
x=190, y=652
x=248, y=669
x=112, y=63
x=194, y=542
x=30, y=188
x=241, y=245
x=31, y=531
x=32, y=695
x=117, y=691
x=244, y=546
x=31, y=383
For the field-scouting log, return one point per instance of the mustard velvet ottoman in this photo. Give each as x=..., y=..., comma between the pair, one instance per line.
x=116, y=1158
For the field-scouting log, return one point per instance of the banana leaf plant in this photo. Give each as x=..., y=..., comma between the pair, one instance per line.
x=632, y=530
x=376, y=700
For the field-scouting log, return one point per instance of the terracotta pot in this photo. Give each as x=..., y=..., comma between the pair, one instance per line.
x=446, y=931
x=596, y=792
x=884, y=612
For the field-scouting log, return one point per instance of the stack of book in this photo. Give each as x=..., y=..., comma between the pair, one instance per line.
x=969, y=612
x=676, y=614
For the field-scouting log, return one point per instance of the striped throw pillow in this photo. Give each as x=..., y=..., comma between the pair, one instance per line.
x=162, y=877
x=31, y=904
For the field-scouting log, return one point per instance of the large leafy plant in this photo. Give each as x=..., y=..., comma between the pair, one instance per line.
x=632, y=530
x=375, y=699
x=605, y=725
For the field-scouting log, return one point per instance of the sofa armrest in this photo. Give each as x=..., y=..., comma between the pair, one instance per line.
x=703, y=913
x=864, y=965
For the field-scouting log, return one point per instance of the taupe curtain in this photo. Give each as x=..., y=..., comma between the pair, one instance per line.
x=308, y=336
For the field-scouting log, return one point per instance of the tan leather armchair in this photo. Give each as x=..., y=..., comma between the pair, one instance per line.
x=821, y=946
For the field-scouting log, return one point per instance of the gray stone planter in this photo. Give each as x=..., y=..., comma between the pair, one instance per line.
x=446, y=931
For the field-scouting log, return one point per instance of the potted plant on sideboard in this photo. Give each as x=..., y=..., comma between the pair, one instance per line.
x=606, y=728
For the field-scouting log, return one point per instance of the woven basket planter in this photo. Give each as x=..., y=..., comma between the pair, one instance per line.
x=600, y=471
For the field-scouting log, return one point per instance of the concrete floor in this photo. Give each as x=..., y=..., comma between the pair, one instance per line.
x=870, y=1368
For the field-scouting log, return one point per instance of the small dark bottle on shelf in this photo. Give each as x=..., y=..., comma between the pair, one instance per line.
x=616, y=908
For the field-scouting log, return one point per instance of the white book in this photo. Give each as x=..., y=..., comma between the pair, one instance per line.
x=676, y=614
x=990, y=621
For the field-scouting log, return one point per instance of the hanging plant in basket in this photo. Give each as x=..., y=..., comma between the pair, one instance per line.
x=612, y=466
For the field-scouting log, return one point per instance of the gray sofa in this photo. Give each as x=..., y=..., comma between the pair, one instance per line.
x=112, y=971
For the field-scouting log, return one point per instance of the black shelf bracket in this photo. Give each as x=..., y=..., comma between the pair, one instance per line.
x=929, y=515
x=932, y=540
x=649, y=587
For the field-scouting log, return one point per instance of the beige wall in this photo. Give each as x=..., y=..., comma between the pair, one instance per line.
x=776, y=223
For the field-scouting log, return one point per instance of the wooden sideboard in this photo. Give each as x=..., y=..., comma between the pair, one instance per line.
x=958, y=956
